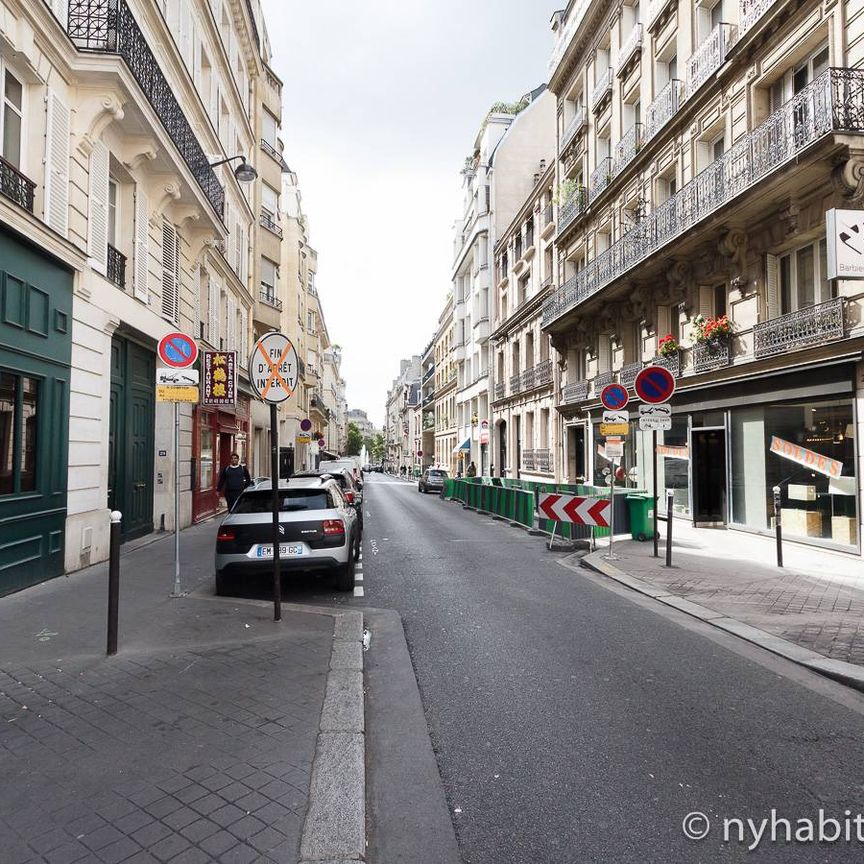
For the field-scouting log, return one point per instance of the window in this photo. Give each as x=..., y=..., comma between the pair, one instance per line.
x=269, y=202
x=720, y=299
x=13, y=114
x=803, y=278
x=718, y=147
x=269, y=129
x=269, y=277
x=112, y=212
x=798, y=77
x=19, y=418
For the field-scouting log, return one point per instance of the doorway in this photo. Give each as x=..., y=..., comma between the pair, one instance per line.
x=502, y=447
x=708, y=463
x=517, y=437
x=576, y=454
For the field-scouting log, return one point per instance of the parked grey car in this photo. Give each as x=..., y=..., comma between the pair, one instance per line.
x=318, y=529
x=432, y=480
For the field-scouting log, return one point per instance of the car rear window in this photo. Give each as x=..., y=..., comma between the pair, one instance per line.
x=290, y=500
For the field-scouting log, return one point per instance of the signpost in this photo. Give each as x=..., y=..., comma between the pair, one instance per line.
x=655, y=385
x=273, y=376
x=177, y=383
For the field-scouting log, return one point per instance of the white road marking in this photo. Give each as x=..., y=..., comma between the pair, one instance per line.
x=358, y=591
x=358, y=577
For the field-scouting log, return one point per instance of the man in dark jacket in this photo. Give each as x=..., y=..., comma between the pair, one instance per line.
x=233, y=480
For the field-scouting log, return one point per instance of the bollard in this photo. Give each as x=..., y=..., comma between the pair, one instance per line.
x=669, y=496
x=778, y=526
x=114, y=580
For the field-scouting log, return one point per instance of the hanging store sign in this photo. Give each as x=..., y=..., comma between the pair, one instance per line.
x=220, y=378
x=808, y=458
x=844, y=230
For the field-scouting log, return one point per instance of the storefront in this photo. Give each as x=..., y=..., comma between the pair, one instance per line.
x=731, y=445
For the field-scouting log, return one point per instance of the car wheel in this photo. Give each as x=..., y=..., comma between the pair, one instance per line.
x=221, y=584
x=344, y=580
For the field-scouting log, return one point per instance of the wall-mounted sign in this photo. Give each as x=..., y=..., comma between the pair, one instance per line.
x=844, y=230
x=808, y=458
x=220, y=378
x=671, y=451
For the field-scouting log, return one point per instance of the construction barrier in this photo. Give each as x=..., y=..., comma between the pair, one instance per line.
x=516, y=505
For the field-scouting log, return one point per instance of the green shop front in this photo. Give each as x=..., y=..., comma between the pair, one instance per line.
x=35, y=359
x=732, y=443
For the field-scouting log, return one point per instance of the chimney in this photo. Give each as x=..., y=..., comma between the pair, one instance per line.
x=536, y=179
x=542, y=166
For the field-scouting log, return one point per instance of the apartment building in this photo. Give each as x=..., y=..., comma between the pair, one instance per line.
x=445, y=378
x=402, y=398
x=118, y=228
x=333, y=396
x=522, y=176
x=700, y=146
x=426, y=428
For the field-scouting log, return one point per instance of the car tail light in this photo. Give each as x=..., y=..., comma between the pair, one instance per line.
x=226, y=535
x=333, y=526
x=349, y=497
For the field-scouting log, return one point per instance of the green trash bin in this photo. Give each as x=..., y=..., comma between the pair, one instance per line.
x=641, y=517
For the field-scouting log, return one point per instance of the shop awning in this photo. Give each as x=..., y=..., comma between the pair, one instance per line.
x=465, y=445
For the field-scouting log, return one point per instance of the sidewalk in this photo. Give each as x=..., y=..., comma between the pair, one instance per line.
x=205, y=739
x=815, y=604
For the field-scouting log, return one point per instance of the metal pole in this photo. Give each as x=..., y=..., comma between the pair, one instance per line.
x=656, y=532
x=778, y=526
x=274, y=476
x=114, y=580
x=669, y=496
x=176, y=592
x=610, y=555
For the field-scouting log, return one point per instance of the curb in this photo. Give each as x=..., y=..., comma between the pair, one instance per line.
x=838, y=670
x=335, y=826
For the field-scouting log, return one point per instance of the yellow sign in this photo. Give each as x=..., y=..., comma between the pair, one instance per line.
x=304, y=439
x=607, y=429
x=171, y=393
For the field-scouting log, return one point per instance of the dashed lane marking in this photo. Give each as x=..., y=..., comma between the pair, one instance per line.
x=358, y=591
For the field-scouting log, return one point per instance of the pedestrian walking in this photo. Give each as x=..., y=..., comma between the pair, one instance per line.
x=472, y=470
x=233, y=480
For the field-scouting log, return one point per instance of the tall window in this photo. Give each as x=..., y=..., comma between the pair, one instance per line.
x=112, y=212
x=13, y=113
x=799, y=76
x=19, y=417
x=269, y=129
x=269, y=277
x=803, y=277
x=269, y=203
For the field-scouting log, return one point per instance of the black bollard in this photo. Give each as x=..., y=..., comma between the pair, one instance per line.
x=669, y=496
x=778, y=527
x=113, y=581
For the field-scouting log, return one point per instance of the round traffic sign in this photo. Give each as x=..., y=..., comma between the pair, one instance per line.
x=306, y=424
x=321, y=442
x=614, y=396
x=177, y=350
x=620, y=473
x=419, y=452
x=654, y=385
x=273, y=368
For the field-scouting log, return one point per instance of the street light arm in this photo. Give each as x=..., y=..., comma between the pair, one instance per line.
x=224, y=161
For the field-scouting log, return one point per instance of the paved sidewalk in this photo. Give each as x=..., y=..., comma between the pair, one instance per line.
x=816, y=602
x=194, y=744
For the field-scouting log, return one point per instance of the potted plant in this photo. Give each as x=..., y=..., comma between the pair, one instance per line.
x=712, y=331
x=668, y=346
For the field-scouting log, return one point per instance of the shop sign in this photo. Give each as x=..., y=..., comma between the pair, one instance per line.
x=808, y=458
x=671, y=451
x=844, y=230
x=220, y=378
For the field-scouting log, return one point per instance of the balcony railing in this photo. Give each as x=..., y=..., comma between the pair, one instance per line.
x=577, y=392
x=602, y=379
x=500, y=390
x=15, y=186
x=543, y=461
x=527, y=460
x=655, y=9
x=515, y=384
x=834, y=101
x=627, y=374
x=672, y=362
x=601, y=177
x=709, y=56
x=627, y=148
x=116, y=271
x=107, y=26
x=572, y=207
x=548, y=215
x=573, y=126
x=268, y=296
x=629, y=47
x=750, y=11
x=268, y=222
x=543, y=373
x=428, y=374
x=528, y=379
x=429, y=400
x=271, y=151
x=815, y=325
x=662, y=109
x=602, y=87
x=711, y=355
x=568, y=31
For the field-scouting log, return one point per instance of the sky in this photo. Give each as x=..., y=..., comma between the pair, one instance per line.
x=382, y=100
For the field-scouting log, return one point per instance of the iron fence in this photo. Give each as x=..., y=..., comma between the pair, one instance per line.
x=15, y=186
x=815, y=325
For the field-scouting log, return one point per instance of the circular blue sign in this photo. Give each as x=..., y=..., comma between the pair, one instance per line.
x=614, y=396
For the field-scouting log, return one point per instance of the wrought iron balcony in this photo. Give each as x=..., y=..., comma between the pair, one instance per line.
x=107, y=26
x=429, y=400
x=116, y=271
x=15, y=186
x=528, y=460
x=627, y=148
x=428, y=374
x=573, y=126
x=655, y=10
x=577, y=392
x=268, y=295
x=515, y=384
x=816, y=325
x=627, y=374
x=500, y=390
x=543, y=373
x=600, y=177
x=271, y=151
x=301, y=367
x=528, y=379
x=602, y=88
x=602, y=379
x=629, y=47
x=572, y=207
x=548, y=215
x=750, y=11
x=709, y=56
x=711, y=355
x=833, y=102
x=662, y=109
x=672, y=362
x=543, y=461
x=268, y=222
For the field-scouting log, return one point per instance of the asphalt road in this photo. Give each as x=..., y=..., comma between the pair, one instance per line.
x=575, y=722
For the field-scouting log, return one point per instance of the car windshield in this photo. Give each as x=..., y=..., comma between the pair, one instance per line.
x=290, y=500
x=438, y=474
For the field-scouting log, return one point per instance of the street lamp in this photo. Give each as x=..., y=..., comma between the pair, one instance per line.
x=244, y=172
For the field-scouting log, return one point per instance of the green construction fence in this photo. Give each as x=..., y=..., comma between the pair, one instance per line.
x=514, y=504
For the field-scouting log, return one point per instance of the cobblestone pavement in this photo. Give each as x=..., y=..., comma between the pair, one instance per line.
x=816, y=601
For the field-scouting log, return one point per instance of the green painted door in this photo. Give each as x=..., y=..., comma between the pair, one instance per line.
x=131, y=436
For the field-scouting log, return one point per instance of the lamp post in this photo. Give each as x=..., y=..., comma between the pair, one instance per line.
x=244, y=172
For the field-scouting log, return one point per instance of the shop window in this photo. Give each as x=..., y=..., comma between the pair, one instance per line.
x=673, y=462
x=19, y=418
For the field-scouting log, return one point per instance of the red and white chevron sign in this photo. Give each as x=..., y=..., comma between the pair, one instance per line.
x=575, y=508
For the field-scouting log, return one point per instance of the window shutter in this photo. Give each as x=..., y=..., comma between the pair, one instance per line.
x=213, y=312
x=706, y=301
x=772, y=286
x=170, y=271
x=98, y=222
x=238, y=244
x=231, y=315
x=142, y=244
x=196, y=300
x=664, y=325
x=56, y=204
x=244, y=334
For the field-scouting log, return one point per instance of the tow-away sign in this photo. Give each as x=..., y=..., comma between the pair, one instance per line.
x=576, y=509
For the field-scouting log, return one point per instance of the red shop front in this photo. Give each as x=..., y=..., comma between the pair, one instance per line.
x=217, y=433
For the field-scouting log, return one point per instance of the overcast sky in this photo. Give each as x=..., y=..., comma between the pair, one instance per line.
x=382, y=101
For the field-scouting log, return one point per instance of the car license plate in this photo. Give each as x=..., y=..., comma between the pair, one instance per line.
x=286, y=550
